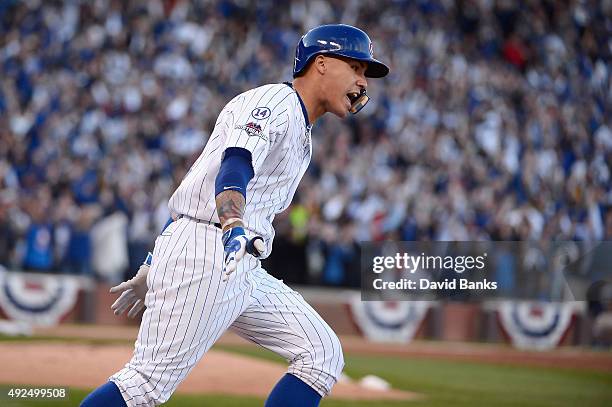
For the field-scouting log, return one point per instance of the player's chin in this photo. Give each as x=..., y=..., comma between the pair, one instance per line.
x=341, y=113
x=341, y=110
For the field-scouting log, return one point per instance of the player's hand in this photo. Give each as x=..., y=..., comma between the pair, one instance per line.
x=236, y=244
x=134, y=291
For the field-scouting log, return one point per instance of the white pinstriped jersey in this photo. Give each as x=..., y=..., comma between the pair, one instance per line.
x=189, y=304
x=269, y=122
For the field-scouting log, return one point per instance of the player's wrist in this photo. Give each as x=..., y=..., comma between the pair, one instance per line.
x=231, y=223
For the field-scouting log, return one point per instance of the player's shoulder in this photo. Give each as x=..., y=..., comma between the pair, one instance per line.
x=272, y=92
x=271, y=96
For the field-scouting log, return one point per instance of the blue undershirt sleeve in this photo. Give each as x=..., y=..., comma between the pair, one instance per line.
x=235, y=172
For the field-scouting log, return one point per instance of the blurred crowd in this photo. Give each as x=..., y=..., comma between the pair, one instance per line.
x=494, y=124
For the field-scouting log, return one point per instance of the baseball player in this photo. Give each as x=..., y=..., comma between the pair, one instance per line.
x=205, y=274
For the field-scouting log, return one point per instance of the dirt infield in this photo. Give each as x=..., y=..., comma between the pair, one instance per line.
x=88, y=366
x=572, y=358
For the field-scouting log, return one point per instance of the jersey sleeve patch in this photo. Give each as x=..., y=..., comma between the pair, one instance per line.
x=261, y=113
x=252, y=130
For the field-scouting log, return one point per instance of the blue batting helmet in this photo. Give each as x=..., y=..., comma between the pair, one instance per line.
x=338, y=39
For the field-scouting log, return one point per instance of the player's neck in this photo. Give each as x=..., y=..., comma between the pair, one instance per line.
x=309, y=97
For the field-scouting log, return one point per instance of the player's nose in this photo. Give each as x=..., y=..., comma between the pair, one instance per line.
x=362, y=82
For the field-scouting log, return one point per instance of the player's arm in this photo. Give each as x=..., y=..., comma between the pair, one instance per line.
x=235, y=172
x=230, y=208
x=246, y=148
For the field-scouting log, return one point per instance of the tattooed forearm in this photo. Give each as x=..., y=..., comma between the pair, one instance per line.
x=230, y=204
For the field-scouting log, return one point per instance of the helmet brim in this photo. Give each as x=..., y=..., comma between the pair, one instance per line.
x=376, y=69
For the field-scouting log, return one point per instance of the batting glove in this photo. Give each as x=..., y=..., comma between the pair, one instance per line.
x=134, y=291
x=236, y=244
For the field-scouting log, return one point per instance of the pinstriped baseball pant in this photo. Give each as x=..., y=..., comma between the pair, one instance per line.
x=189, y=307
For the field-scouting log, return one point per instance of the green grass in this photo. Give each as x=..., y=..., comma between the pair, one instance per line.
x=443, y=383
x=181, y=400
x=76, y=395
x=449, y=383
x=469, y=384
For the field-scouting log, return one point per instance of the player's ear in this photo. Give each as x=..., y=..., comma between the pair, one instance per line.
x=319, y=64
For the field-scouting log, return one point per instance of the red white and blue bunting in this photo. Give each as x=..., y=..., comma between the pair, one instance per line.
x=535, y=325
x=388, y=321
x=38, y=299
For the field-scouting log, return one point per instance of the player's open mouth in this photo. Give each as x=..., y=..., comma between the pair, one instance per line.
x=352, y=97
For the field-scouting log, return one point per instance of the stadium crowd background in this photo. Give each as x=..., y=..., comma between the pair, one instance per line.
x=494, y=124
